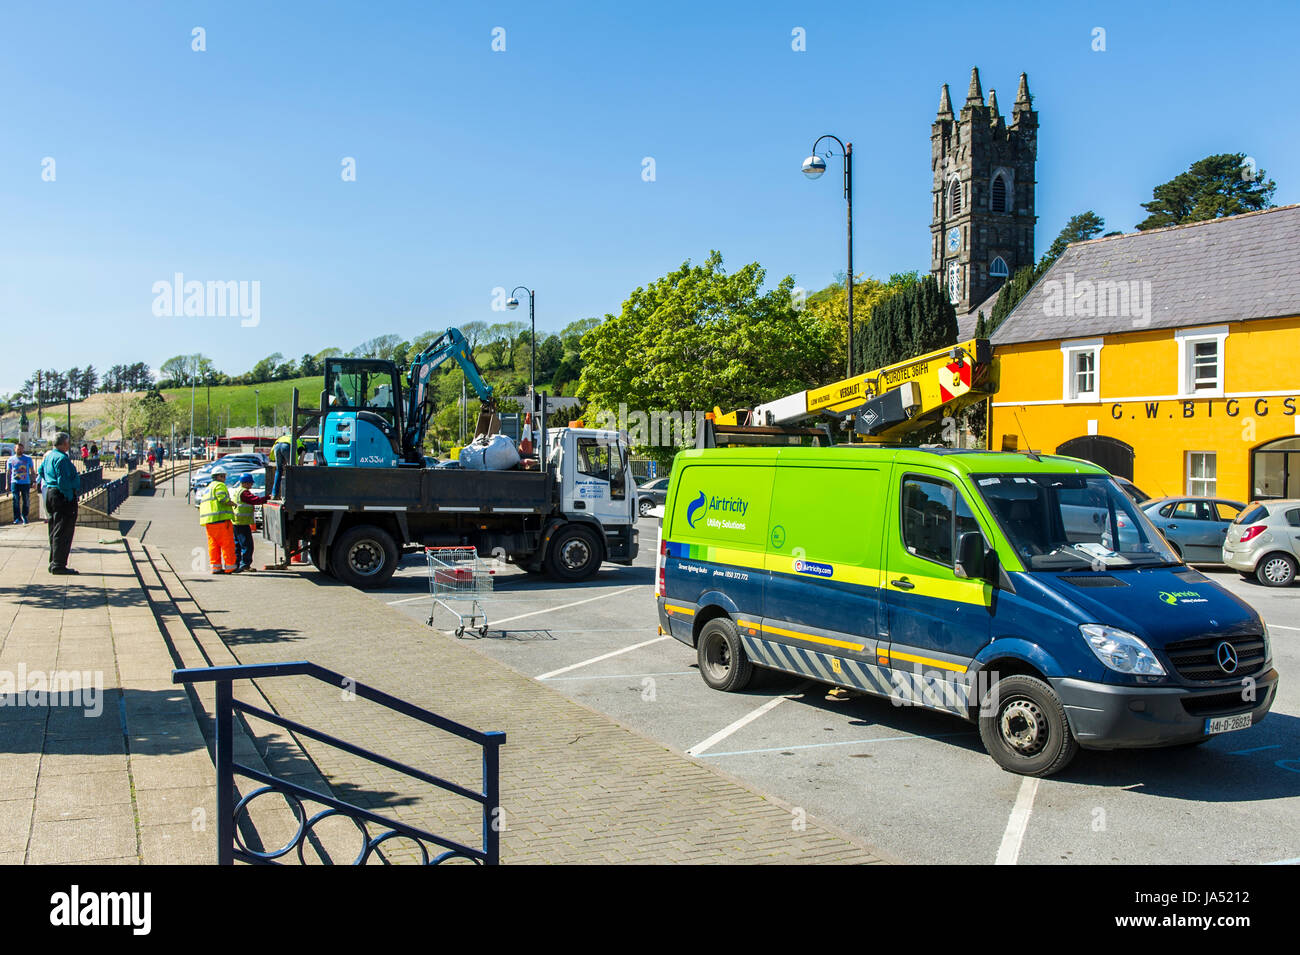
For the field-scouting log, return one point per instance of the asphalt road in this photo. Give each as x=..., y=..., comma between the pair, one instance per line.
x=917, y=785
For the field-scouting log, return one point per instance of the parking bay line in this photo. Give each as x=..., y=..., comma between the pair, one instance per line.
x=851, y=742
x=533, y=613
x=619, y=676
x=745, y=720
x=603, y=656
x=1009, y=851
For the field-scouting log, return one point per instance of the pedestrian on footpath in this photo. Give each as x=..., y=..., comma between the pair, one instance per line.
x=20, y=468
x=245, y=501
x=93, y=461
x=62, y=484
x=216, y=513
x=85, y=456
x=151, y=459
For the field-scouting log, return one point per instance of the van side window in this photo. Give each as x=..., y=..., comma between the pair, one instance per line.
x=932, y=525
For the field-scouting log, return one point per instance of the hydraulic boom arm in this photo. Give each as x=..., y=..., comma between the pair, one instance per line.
x=451, y=344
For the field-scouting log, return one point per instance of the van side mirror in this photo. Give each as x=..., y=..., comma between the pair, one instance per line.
x=972, y=556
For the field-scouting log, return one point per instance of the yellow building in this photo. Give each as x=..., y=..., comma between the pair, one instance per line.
x=1170, y=357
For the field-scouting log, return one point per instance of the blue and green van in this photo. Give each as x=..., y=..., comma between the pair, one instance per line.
x=1025, y=593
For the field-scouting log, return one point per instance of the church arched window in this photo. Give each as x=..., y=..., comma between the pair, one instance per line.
x=954, y=198
x=1000, y=203
x=998, y=268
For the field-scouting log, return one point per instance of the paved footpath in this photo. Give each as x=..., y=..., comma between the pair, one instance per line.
x=112, y=768
x=577, y=787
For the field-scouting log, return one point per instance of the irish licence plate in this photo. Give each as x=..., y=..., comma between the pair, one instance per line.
x=1226, y=724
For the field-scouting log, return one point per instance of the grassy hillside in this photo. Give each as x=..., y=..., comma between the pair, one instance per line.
x=241, y=401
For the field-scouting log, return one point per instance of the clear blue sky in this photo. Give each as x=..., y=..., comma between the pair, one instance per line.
x=478, y=169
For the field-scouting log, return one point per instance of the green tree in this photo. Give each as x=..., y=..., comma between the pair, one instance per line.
x=1080, y=228
x=1221, y=185
x=914, y=319
x=700, y=337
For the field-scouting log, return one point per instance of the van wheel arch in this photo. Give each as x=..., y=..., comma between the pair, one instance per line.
x=1002, y=667
x=703, y=616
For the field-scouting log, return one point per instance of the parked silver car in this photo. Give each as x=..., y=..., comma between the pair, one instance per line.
x=1264, y=542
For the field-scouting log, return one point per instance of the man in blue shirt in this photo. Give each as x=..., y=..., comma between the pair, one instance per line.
x=20, y=468
x=62, y=483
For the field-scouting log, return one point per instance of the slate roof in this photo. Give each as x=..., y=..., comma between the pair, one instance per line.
x=1204, y=273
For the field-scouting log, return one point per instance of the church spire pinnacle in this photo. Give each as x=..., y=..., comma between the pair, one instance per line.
x=993, y=103
x=945, y=103
x=1022, y=94
x=975, y=96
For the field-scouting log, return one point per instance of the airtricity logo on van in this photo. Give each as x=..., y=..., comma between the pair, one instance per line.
x=726, y=505
x=1175, y=597
x=814, y=568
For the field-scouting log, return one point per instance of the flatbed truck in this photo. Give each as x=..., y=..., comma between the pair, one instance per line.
x=565, y=520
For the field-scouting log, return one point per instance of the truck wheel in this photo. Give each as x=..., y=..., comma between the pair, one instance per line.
x=364, y=557
x=1027, y=732
x=723, y=662
x=1275, y=570
x=574, y=554
x=314, y=551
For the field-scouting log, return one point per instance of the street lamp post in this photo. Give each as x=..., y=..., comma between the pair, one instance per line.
x=813, y=167
x=512, y=303
x=257, y=416
x=67, y=396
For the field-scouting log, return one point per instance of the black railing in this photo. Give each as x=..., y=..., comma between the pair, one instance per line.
x=115, y=493
x=90, y=480
x=230, y=845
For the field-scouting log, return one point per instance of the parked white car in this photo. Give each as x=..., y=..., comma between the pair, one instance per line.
x=1264, y=542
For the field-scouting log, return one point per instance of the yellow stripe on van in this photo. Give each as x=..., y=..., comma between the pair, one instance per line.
x=812, y=638
x=913, y=658
x=976, y=592
x=674, y=608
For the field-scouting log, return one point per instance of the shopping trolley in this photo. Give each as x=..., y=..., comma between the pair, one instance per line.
x=458, y=576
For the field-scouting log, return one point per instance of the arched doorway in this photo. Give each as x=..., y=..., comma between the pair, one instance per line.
x=1275, y=469
x=1110, y=453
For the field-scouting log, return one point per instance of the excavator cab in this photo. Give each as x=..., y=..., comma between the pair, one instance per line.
x=361, y=413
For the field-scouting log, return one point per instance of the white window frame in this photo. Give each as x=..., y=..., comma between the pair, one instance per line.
x=1069, y=351
x=999, y=275
x=1187, y=339
x=1201, y=489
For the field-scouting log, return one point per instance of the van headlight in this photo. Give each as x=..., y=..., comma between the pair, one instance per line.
x=1121, y=651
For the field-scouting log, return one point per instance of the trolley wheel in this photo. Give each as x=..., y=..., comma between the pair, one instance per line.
x=482, y=631
x=460, y=631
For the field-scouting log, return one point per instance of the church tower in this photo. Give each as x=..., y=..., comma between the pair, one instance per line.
x=982, y=226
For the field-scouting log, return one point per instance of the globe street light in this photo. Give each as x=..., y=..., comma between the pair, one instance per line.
x=512, y=303
x=813, y=167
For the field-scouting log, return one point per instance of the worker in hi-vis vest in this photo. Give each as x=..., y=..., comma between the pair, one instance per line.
x=216, y=512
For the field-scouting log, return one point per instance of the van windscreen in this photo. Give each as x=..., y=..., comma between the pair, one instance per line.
x=1070, y=521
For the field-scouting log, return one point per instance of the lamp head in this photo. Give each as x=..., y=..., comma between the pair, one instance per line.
x=512, y=303
x=814, y=166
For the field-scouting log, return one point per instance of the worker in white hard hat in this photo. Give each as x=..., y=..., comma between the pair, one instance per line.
x=216, y=514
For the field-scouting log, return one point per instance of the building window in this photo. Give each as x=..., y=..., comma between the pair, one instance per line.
x=1202, y=473
x=999, y=193
x=998, y=268
x=1082, y=362
x=954, y=282
x=954, y=198
x=1200, y=361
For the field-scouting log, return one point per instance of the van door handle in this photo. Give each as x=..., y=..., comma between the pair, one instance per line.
x=903, y=583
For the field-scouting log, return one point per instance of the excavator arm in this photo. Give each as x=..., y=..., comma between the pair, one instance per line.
x=450, y=345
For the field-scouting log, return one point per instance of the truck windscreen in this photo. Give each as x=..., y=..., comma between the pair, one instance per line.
x=1072, y=521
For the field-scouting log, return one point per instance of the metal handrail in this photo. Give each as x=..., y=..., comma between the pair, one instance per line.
x=229, y=849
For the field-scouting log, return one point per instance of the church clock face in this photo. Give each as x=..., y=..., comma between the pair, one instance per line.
x=954, y=240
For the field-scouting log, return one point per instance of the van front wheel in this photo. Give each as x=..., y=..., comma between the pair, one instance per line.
x=1024, y=729
x=723, y=662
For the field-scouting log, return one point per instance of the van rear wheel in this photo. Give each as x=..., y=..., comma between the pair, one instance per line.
x=723, y=662
x=1025, y=729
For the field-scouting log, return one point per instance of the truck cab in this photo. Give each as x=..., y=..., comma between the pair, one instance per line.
x=595, y=487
